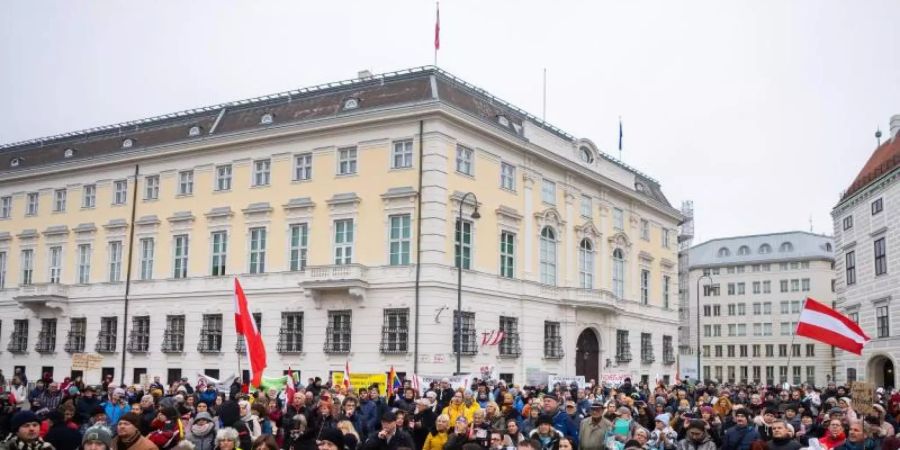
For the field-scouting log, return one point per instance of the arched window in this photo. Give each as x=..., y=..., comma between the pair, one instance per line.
x=586, y=154
x=586, y=263
x=786, y=247
x=744, y=250
x=548, y=256
x=266, y=119
x=723, y=252
x=765, y=249
x=194, y=131
x=619, y=273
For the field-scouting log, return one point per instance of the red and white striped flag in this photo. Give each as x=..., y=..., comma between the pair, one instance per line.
x=437, y=28
x=290, y=390
x=347, y=384
x=824, y=324
x=246, y=326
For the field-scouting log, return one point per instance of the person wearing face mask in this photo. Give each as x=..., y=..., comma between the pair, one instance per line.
x=697, y=438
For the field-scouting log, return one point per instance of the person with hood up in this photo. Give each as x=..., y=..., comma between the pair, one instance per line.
x=663, y=437
x=697, y=438
x=202, y=432
x=249, y=419
x=846, y=405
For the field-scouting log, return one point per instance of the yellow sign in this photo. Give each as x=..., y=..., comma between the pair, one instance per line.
x=86, y=361
x=361, y=380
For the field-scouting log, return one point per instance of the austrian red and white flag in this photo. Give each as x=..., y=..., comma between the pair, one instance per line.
x=824, y=324
x=347, y=384
x=437, y=27
x=246, y=326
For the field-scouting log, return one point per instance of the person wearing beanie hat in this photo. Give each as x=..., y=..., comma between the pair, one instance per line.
x=96, y=438
x=25, y=427
x=128, y=434
x=202, y=432
x=545, y=433
x=331, y=439
x=742, y=434
x=663, y=436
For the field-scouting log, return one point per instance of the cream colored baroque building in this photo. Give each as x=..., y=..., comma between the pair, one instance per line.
x=336, y=206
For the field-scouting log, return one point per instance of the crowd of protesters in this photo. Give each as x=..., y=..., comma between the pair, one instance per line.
x=488, y=415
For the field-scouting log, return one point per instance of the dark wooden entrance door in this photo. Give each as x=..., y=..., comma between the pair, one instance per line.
x=587, y=355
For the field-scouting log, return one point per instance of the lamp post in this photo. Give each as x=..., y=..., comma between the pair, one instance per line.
x=457, y=320
x=699, y=354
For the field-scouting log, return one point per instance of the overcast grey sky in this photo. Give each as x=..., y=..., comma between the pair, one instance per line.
x=762, y=112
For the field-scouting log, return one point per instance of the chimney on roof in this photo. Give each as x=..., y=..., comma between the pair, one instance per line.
x=364, y=74
x=895, y=126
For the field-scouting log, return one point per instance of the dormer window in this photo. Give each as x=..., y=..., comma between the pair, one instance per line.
x=194, y=131
x=518, y=128
x=744, y=250
x=586, y=154
x=266, y=119
x=640, y=187
x=70, y=152
x=351, y=103
x=724, y=252
x=128, y=143
x=786, y=247
x=502, y=120
x=15, y=162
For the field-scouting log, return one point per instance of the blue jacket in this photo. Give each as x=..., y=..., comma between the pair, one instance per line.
x=115, y=412
x=739, y=438
x=565, y=425
x=209, y=397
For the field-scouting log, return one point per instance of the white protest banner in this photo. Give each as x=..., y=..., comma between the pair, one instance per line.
x=456, y=381
x=613, y=378
x=221, y=385
x=566, y=381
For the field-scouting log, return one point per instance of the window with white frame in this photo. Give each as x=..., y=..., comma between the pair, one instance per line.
x=5, y=207
x=180, y=261
x=106, y=338
x=75, y=339
x=586, y=206
x=55, y=264
x=645, y=286
x=211, y=334
x=850, y=267
x=31, y=205
x=402, y=154
x=186, y=182
x=299, y=246
x=618, y=219
x=173, y=336
x=548, y=256
x=2, y=270
x=151, y=187
x=507, y=176
x=148, y=251
x=880, y=256
x=586, y=264
x=223, y=177
x=343, y=241
x=548, y=192
x=464, y=333
x=27, y=266
x=59, y=200
x=509, y=344
x=84, y=263
x=645, y=229
x=18, y=340
x=139, y=340
x=115, y=261
x=848, y=222
x=877, y=206
x=262, y=172
x=507, y=254
x=618, y=273
x=666, y=237
x=399, y=240
x=120, y=192
x=465, y=160
x=303, y=167
x=882, y=321
x=767, y=287
x=346, y=161
x=89, y=196
x=219, y=252
x=258, y=250
x=463, y=244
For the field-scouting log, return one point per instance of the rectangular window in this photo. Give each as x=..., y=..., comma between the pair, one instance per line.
x=880, y=256
x=770, y=350
x=618, y=219
x=741, y=288
x=77, y=334
x=548, y=192
x=732, y=329
x=882, y=321
x=707, y=310
x=5, y=207
x=756, y=350
x=795, y=350
x=120, y=192
x=88, y=196
x=645, y=229
x=718, y=351
x=553, y=348
x=402, y=156
x=151, y=187
x=854, y=316
x=767, y=308
x=757, y=374
x=782, y=350
x=463, y=243
x=767, y=329
x=784, y=285
x=785, y=328
x=811, y=374
x=647, y=348
x=742, y=329
x=767, y=287
x=223, y=177
x=338, y=333
x=115, y=261
x=730, y=351
x=706, y=351
x=395, y=331
x=785, y=307
x=757, y=309
x=796, y=374
x=666, y=283
x=343, y=241
x=262, y=172
x=290, y=336
x=668, y=350
x=757, y=329
x=257, y=250
x=106, y=339
x=804, y=285
x=795, y=285
x=211, y=334
x=757, y=287
x=507, y=176
x=347, y=161
x=31, y=208
x=507, y=254
x=139, y=341
x=148, y=250
x=465, y=158
x=810, y=350
x=186, y=182
x=795, y=307
x=848, y=222
x=303, y=167
x=173, y=337
x=27, y=267
x=47, y=337
x=645, y=286
x=400, y=241
x=666, y=239
x=2, y=270
x=219, y=252
x=55, y=264
x=586, y=206
x=18, y=341
x=877, y=206
x=180, y=262
x=707, y=330
x=59, y=200
x=850, y=264
x=623, y=347
x=509, y=342
x=299, y=242
x=717, y=310
x=84, y=263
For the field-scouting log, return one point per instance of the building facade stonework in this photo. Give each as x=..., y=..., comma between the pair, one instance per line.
x=336, y=207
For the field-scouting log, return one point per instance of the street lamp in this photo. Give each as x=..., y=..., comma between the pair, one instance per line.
x=459, y=268
x=699, y=354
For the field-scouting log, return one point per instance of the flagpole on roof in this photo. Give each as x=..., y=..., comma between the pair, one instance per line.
x=620, y=138
x=437, y=30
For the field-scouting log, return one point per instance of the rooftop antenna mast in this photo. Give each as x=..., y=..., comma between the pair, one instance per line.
x=878, y=136
x=810, y=224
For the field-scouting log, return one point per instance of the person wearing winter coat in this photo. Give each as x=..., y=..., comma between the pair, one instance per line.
x=857, y=439
x=60, y=436
x=742, y=434
x=782, y=438
x=663, y=437
x=128, y=435
x=437, y=437
x=545, y=433
x=593, y=429
x=202, y=432
x=697, y=438
x=834, y=436
x=422, y=422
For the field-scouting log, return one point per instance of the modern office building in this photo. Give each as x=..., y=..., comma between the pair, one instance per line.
x=337, y=206
x=752, y=289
